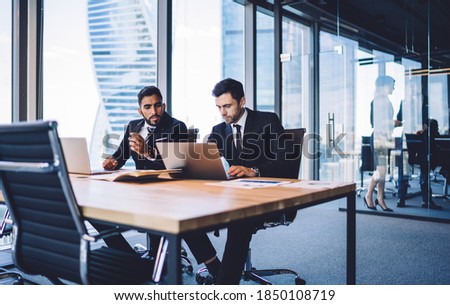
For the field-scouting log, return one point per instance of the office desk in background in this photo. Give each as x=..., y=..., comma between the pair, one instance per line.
x=175, y=207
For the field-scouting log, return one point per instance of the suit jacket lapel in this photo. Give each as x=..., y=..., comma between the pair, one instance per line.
x=136, y=128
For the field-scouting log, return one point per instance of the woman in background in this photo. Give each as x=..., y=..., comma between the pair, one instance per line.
x=382, y=121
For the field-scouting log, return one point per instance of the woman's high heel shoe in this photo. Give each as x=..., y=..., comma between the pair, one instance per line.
x=367, y=206
x=384, y=209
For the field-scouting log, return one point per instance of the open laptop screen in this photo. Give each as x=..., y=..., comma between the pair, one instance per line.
x=197, y=160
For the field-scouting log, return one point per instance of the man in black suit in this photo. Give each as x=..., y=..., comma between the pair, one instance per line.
x=139, y=143
x=248, y=141
x=140, y=136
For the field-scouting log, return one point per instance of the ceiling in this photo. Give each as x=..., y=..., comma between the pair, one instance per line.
x=398, y=26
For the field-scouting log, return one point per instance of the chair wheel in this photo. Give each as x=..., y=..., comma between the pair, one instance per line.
x=203, y=277
x=18, y=282
x=188, y=269
x=299, y=281
x=183, y=252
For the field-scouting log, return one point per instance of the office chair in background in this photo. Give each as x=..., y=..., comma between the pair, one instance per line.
x=294, y=144
x=414, y=146
x=50, y=235
x=442, y=162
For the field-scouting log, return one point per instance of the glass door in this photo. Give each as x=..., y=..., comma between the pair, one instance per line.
x=337, y=124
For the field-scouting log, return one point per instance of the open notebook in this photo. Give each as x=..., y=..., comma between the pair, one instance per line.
x=77, y=157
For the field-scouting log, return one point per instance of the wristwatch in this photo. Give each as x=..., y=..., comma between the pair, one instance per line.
x=256, y=170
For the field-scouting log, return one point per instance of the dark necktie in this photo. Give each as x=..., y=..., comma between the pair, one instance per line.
x=238, y=137
x=148, y=139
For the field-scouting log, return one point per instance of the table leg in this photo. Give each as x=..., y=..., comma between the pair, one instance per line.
x=173, y=276
x=351, y=238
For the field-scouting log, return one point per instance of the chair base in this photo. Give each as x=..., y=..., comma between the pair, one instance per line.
x=186, y=264
x=444, y=194
x=256, y=275
x=10, y=277
x=253, y=274
x=359, y=190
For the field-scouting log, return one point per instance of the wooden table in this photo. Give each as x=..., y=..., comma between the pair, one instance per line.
x=175, y=207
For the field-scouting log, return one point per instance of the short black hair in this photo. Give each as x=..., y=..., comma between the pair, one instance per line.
x=231, y=86
x=434, y=126
x=149, y=91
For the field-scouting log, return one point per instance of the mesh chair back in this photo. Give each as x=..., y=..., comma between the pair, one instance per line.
x=292, y=141
x=416, y=148
x=40, y=201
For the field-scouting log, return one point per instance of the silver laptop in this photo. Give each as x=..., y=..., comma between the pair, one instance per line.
x=77, y=157
x=197, y=160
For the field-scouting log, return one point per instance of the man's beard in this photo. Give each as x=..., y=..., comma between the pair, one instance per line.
x=149, y=122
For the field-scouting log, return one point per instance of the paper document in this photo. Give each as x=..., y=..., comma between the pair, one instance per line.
x=313, y=184
x=248, y=183
x=135, y=175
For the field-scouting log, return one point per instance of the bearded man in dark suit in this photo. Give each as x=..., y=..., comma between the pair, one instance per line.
x=140, y=136
x=139, y=143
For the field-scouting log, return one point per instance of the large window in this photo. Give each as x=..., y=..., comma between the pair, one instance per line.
x=5, y=62
x=207, y=47
x=265, y=65
x=97, y=56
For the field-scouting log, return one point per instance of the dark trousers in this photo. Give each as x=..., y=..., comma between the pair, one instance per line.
x=120, y=243
x=239, y=236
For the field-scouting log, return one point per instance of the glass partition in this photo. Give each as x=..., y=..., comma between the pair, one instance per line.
x=374, y=103
x=295, y=73
x=338, y=108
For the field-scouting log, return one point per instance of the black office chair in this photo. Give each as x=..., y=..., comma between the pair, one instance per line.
x=367, y=164
x=50, y=235
x=415, y=147
x=294, y=144
x=441, y=159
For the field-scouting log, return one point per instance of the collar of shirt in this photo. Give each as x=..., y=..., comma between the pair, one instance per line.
x=144, y=131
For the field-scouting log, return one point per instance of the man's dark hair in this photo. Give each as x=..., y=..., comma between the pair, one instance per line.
x=149, y=91
x=231, y=86
x=434, y=127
